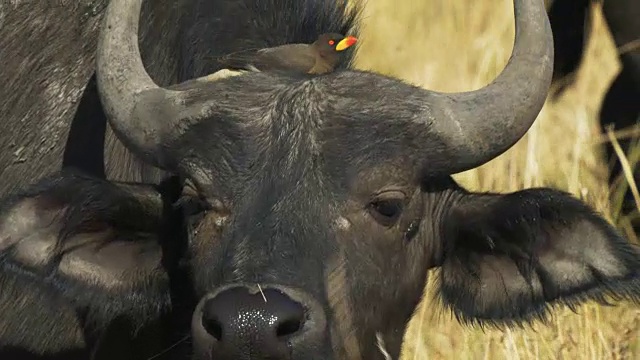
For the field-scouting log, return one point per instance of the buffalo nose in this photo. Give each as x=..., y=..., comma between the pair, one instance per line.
x=260, y=322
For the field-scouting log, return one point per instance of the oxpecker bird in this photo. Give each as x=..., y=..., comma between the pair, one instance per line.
x=320, y=57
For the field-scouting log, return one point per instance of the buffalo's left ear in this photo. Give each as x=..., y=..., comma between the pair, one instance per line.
x=508, y=257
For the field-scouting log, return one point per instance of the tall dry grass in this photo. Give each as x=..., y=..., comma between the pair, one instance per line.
x=459, y=45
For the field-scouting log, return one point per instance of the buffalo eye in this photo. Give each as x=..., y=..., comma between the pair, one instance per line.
x=387, y=208
x=192, y=205
x=193, y=208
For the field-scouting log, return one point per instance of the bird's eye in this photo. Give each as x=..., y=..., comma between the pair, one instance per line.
x=331, y=42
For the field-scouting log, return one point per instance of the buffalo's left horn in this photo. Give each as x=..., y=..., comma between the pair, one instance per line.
x=477, y=126
x=460, y=131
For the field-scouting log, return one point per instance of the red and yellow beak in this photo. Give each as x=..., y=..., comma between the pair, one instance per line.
x=346, y=43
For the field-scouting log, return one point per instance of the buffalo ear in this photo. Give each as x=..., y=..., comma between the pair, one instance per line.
x=101, y=239
x=508, y=258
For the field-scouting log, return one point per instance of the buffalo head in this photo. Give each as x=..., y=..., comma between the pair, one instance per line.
x=319, y=203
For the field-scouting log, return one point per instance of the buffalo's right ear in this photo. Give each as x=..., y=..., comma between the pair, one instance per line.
x=509, y=257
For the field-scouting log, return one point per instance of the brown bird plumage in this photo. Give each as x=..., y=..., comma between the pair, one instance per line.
x=320, y=57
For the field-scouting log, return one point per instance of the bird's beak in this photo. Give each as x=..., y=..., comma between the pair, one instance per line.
x=346, y=43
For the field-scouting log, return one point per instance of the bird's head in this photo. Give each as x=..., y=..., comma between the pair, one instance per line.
x=334, y=43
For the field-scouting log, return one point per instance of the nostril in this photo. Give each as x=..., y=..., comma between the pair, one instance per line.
x=213, y=327
x=289, y=327
x=291, y=316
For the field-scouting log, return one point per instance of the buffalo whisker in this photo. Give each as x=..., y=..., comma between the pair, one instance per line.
x=170, y=347
x=262, y=293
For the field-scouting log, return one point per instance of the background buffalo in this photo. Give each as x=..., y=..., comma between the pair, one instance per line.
x=571, y=21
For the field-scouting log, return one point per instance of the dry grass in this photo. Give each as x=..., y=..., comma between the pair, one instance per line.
x=455, y=45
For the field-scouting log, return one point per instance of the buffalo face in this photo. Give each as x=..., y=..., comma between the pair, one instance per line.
x=317, y=267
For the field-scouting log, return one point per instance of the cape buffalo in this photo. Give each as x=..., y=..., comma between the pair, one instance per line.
x=570, y=23
x=313, y=206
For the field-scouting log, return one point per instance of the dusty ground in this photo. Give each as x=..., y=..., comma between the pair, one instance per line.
x=459, y=45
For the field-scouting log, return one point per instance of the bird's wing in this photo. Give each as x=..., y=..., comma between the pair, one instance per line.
x=299, y=57
x=240, y=60
x=296, y=57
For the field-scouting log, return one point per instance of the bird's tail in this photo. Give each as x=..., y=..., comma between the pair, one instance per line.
x=239, y=60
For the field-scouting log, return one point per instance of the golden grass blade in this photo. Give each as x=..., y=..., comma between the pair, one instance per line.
x=626, y=168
